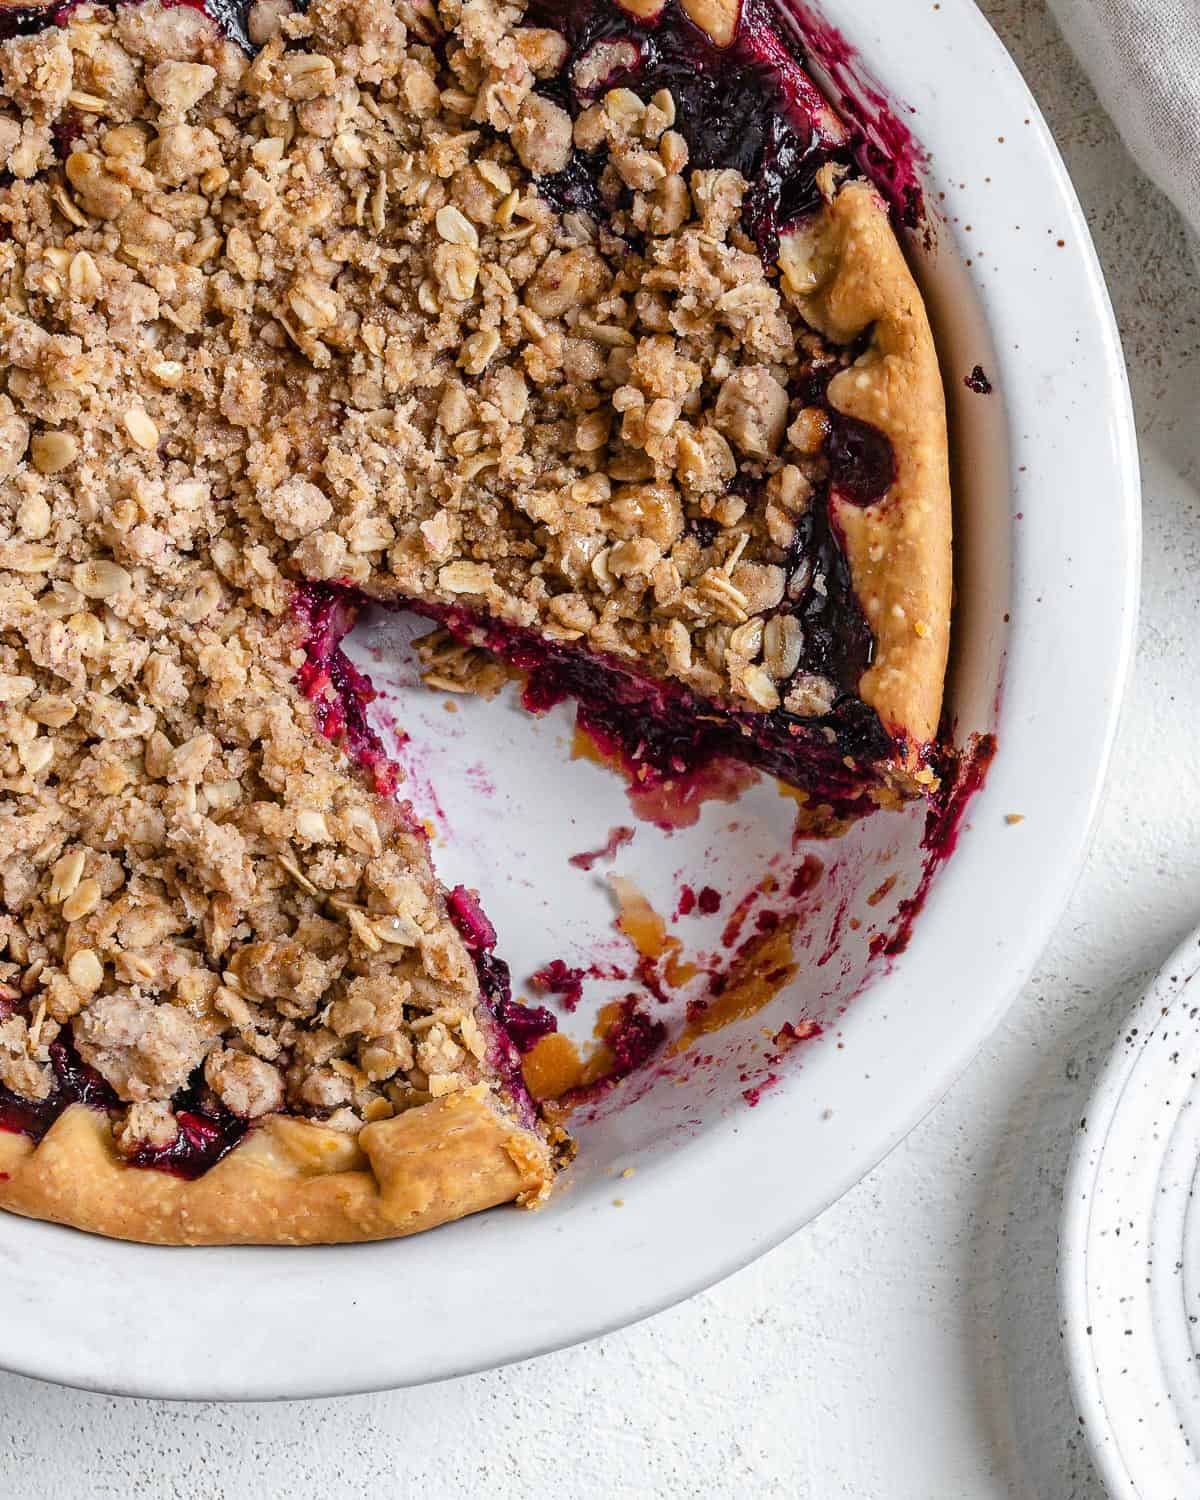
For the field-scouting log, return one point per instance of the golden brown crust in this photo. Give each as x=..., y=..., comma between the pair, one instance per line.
x=290, y=1182
x=847, y=273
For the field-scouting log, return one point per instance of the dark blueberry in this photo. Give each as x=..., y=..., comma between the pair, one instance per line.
x=862, y=461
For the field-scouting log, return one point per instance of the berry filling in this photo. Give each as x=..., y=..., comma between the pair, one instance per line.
x=526, y=1024
x=658, y=731
x=558, y=978
x=661, y=732
x=338, y=691
x=632, y=1038
x=978, y=382
x=207, y=1132
x=74, y=1083
x=882, y=144
x=748, y=106
x=512, y=1034
x=24, y=20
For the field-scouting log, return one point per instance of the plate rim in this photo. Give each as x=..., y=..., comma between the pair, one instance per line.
x=1144, y=1019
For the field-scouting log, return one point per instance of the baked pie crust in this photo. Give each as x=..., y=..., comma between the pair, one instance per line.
x=385, y=301
x=290, y=1182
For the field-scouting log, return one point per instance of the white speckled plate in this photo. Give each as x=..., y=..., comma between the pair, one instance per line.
x=1130, y=1253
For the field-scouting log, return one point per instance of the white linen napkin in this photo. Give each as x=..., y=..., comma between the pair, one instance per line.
x=1144, y=58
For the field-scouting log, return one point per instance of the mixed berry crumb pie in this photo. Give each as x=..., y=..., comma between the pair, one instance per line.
x=573, y=327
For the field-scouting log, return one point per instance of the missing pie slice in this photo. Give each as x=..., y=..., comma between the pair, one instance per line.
x=573, y=328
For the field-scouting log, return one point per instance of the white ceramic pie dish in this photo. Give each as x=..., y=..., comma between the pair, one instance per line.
x=1047, y=511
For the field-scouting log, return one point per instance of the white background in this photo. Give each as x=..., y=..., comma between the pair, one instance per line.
x=905, y=1347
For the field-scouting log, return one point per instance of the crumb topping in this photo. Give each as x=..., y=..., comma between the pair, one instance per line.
x=304, y=314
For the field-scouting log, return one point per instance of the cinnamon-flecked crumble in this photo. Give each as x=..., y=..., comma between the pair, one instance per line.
x=302, y=313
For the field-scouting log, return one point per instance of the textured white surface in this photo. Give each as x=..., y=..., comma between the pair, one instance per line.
x=1144, y=58
x=905, y=1347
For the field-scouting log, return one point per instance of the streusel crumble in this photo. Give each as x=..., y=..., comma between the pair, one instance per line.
x=424, y=303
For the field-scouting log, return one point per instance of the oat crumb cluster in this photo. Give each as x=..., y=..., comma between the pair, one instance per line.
x=304, y=314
